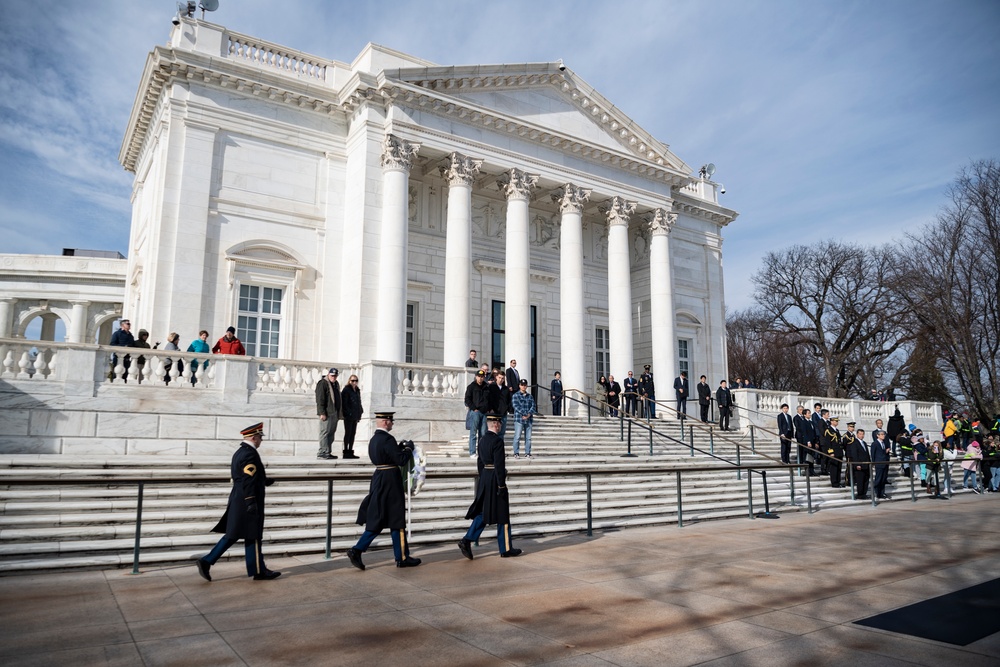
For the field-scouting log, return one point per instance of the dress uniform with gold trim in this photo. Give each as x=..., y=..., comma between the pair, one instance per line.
x=833, y=448
x=244, y=516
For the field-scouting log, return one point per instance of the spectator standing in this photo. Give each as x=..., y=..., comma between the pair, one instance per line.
x=352, y=409
x=492, y=503
x=950, y=455
x=328, y=404
x=880, y=456
x=477, y=402
x=681, y=391
x=229, y=344
x=614, y=395
x=647, y=392
x=970, y=464
x=804, y=436
x=832, y=448
x=172, y=339
x=631, y=388
x=861, y=454
x=142, y=342
x=991, y=463
x=786, y=433
x=556, y=393
x=601, y=395
x=499, y=400
x=385, y=505
x=122, y=338
x=704, y=398
x=935, y=456
x=244, y=516
x=724, y=399
x=524, y=412
x=200, y=346
x=513, y=380
x=471, y=361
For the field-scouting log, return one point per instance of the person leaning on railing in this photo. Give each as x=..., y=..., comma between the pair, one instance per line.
x=200, y=346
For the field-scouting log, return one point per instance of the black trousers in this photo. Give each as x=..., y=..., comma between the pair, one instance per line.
x=350, y=429
x=704, y=412
x=786, y=450
x=833, y=467
x=881, y=477
x=724, y=417
x=860, y=481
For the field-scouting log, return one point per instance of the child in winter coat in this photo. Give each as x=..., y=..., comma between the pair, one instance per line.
x=970, y=463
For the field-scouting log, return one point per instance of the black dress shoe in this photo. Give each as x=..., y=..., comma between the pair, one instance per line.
x=351, y=455
x=266, y=575
x=325, y=456
x=409, y=561
x=513, y=553
x=355, y=557
x=203, y=568
x=466, y=548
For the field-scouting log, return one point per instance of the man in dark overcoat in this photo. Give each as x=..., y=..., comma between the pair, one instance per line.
x=724, y=399
x=704, y=398
x=492, y=504
x=385, y=505
x=556, y=394
x=647, y=393
x=328, y=406
x=244, y=516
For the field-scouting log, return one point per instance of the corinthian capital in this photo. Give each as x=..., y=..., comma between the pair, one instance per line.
x=398, y=153
x=462, y=170
x=662, y=222
x=571, y=198
x=517, y=184
x=618, y=210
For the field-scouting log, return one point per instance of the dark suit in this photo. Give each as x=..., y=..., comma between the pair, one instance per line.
x=861, y=451
x=556, y=394
x=513, y=380
x=614, y=397
x=724, y=398
x=804, y=436
x=631, y=387
x=704, y=399
x=819, y=425
x=681, y=389
x=786, y=432
x=880, y=455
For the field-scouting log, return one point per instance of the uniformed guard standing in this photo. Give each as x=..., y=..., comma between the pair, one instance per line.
x=847, y=441
x=492, y=503
x=647, y=393
x=385, y=504
x=244, y=516
x=833, y=448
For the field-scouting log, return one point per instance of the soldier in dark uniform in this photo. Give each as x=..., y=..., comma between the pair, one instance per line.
x=244, y=516
x=834, y=450
x=847, y=446
x=647, y=393
x=385, y=504
x=804, y=436
x=820, y=424
x=492, y=504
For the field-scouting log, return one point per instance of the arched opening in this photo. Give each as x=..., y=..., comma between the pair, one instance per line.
x=45, y=326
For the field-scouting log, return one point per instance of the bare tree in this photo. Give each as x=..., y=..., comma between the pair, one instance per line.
x=950, y=281
x=758, y=352
x=833, y=301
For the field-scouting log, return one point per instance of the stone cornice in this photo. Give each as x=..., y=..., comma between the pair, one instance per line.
x=697, y=208
x=498, y=268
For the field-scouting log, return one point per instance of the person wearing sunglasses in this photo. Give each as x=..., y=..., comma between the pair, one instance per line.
x=352, y=411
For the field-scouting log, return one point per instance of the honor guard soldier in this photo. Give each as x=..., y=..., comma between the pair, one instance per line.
x=833, y=448
x=244, y=517
x=847, y=441
x=492, y=504
x=647, y=393
x=385, y=504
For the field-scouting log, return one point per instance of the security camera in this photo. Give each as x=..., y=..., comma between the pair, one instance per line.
x=722, y=189
x=176, y=20
x=562, y=68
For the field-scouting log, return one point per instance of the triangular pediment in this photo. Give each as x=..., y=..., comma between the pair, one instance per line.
x=543, y=96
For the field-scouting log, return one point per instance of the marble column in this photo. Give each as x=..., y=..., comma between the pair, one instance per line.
x=6, y=313
x=397, y=157
x=516, y=185
x=619, y=286
x=661, y=302
x=48, y=327
x=458, y=258
x=78, y=327
x=572, y=327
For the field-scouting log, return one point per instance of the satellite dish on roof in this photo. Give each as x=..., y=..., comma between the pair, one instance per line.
x=209, y=5
x=710, y=169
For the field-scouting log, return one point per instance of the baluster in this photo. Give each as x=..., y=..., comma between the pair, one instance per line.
x=286, y=378
x=161, y=369
x=436, y=385
x=24, y=364
x=425, y=385
x=52, y=363
x=298, y=379
x=174, y=373
x=39, y=367
x=186, y=375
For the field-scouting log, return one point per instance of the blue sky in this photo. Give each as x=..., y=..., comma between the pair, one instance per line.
x=825, y=118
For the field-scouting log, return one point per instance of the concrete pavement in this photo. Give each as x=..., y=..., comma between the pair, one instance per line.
x=736, y=592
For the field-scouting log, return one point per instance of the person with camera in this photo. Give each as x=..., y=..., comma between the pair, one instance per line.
x=385, y=505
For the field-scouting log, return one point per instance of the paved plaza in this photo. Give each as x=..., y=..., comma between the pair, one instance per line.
x=737, y=592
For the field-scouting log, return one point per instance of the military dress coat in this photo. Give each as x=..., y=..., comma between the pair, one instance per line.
x=249, y=480
x=492, y=500
x=385, y=504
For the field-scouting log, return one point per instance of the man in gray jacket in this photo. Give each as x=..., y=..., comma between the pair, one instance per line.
x=328, y=401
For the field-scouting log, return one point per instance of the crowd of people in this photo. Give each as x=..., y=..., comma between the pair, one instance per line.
x=971, y=445
x=123, y=337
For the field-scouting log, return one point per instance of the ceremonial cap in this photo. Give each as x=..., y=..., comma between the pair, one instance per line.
x=851, y=423
x=646, y=367
x=494, y=418
x=256, y=429
x=385, y=414
x=835, y=419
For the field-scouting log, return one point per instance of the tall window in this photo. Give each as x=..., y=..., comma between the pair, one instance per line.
x=498, y=353
x=411, y=328
x=602, y=350
x=684, y=356
x=258, y=322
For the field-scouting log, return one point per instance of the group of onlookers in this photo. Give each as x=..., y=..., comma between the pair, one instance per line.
x=501, y=393
x=122, y=337
x=972, y=446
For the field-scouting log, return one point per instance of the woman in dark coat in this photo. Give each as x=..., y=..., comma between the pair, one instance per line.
x=385, y=504
x=352, y=410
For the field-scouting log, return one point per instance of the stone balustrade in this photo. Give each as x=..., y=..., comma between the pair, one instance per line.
x=760, y=408
x=430, y=381
x=272, y=56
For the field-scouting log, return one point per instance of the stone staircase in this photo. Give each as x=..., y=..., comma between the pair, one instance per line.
x=48, y=526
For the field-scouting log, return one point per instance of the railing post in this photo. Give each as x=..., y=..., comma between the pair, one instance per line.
x=138, y=530
x=809, y=497
x=650, y=426
x=791, y=484
x=850, y=479
x=750, y=492
x=329, y=515
x=871, y=483
x=753, y=447
x=629, y=453
x=590, y=510
x=711, y=440
x=739, y=473
x=588, y=410
x=914, y=470
x=680, y=510
x=621, y=423
x=690, y=436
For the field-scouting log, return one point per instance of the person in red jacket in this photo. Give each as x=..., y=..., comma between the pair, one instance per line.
x=229, y=344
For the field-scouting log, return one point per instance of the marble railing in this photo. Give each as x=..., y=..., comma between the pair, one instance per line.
x=430, y=381
x=257, y=52
x=760, y=408
x=28, y=360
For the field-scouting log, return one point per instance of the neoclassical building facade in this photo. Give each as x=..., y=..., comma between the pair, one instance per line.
x=394, y=210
